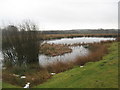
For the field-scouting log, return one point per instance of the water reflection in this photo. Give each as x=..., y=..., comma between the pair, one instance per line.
x=1, y=59
x=79, y=40
x=76, y=51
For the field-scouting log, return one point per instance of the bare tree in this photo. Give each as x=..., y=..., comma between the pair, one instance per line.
x=21, y=45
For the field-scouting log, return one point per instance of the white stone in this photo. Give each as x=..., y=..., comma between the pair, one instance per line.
x=15, y=75
x=52, y=73
x=27, y=85
x=23, y=77
x=81, y=66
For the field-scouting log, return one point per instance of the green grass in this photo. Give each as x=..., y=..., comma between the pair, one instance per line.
x=6, y=85
x=101, y=74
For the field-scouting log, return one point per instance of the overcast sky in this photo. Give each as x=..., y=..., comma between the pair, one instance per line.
x=61, y=14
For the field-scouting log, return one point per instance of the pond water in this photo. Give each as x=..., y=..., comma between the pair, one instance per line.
x=76, y=51
x=79, y=40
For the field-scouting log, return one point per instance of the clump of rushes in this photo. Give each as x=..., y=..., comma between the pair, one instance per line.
x=54, y=49
x=59, y=67
x=97, y=52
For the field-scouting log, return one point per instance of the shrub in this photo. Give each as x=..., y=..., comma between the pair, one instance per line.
x=21, y=45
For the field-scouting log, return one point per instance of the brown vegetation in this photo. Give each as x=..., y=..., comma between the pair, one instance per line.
x=97, y=52
x=101, y=42
x=118, y=39
x=55, y=36
x=34, y=74
x=54, y=49
x=38, y=77
x=59, y=67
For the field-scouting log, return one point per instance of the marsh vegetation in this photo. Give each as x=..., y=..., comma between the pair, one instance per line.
x=25, y=49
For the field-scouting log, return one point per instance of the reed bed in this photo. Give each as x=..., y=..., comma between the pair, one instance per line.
x=58, y=36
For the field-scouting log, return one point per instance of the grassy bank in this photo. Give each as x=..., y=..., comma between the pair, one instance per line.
x=7, y=85
x=101, y=74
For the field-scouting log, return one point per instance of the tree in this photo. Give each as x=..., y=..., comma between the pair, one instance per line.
x=21, y=45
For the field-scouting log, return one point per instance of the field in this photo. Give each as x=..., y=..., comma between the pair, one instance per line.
x=101, y=74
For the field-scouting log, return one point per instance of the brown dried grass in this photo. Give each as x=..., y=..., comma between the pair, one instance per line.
x=97, y=52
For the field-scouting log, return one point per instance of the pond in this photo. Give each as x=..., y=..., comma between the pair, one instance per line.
x=76, y=50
